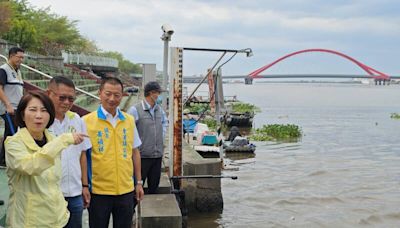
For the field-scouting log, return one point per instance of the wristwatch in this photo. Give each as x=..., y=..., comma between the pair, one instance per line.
x=85, y=186
x=139, y=182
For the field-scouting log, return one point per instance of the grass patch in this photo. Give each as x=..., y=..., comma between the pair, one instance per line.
x=276, y=132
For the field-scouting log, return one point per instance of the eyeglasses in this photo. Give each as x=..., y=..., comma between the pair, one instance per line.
x=62, y=98
x=18, y=56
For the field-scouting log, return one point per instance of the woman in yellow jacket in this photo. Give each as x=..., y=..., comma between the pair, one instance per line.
x=34, y=169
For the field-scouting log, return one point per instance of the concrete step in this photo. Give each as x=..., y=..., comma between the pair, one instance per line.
x=160, y=210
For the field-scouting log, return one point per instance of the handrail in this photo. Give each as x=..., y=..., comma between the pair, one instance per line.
x=92, y=60
x=48, y=76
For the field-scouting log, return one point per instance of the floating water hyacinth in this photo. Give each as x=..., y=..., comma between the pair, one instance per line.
x=197, y=108
x=276, y=132
x=395, y=116
x=242, y=107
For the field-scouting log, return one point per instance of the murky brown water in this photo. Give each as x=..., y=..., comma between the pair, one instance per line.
x=344, y=172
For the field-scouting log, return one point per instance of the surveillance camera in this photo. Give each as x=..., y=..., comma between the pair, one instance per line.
x=167, y=29
x=249, y=53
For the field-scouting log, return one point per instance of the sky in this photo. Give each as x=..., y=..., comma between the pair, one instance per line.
x=367, y=30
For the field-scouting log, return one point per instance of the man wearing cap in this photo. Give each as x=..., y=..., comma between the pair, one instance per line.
x=151, y=122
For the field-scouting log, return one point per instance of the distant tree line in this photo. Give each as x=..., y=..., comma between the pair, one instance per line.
x=46, y=33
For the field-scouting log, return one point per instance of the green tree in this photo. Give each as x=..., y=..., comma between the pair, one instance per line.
x=86, y=46
x=22, y=33
x=43, y=32
x=40, y=31
x=5, y=16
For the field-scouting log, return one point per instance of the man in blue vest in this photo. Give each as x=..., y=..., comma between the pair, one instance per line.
x=151, y=123
x=11, y=91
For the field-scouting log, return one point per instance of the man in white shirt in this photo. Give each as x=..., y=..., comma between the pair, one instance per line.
x=74, y=182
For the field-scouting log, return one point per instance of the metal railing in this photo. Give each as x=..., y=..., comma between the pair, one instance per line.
x=91, y=60
x=50, y=77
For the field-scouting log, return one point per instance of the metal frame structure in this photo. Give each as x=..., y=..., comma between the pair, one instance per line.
x=176, y=102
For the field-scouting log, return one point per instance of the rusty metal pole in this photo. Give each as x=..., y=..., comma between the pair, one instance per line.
x=176, y=73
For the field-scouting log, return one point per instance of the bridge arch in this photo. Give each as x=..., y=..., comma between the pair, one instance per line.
x=367, y=69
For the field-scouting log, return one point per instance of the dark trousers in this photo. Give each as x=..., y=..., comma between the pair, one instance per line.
x=151, y=170
x=102, y=206
x=75, y=207
x=7, y=132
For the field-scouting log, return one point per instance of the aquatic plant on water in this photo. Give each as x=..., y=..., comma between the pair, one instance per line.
x=242, y=107
x=276, y=132
x=211, y=123
x=197, y=108
x=395, y=116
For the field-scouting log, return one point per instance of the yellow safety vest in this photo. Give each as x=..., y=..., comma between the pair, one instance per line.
x=110, y=165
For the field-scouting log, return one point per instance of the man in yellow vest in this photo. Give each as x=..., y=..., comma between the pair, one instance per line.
x=114, y=159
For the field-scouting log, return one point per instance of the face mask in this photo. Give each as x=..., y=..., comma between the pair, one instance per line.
x=159, y=100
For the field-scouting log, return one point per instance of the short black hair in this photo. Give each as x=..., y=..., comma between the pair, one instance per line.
x=42, y=96
x=62, y=80
x=14, y=50
x=112, y=81
x=152, y=86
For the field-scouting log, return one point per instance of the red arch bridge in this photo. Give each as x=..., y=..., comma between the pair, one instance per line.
x=378, y=76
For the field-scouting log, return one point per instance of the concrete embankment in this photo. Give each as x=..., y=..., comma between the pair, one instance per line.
x=201, y=194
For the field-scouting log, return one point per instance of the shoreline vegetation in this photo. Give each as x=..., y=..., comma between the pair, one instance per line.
x=236, y=107
x=273, y=132
x=395, y=116
x=242, y=107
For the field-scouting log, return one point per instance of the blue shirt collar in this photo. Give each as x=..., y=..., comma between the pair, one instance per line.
x=102, y=113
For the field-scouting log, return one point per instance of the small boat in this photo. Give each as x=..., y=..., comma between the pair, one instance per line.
x=239, y=145
x=207, y=141
x=207, y=151
x=239, y=119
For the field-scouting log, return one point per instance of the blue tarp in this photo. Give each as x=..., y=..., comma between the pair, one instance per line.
x=189, y=125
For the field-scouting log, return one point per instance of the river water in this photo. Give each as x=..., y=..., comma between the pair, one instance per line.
x=343, y=172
